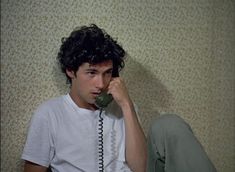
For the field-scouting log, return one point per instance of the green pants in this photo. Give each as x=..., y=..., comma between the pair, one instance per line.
x=172, y=147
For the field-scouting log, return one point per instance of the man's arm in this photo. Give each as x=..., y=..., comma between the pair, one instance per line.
x=136, y=147
x=32, y=167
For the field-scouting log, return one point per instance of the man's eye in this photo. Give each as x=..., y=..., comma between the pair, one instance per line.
x=109, y=72
x=91, y=73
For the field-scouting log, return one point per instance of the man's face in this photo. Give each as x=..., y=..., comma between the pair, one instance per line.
x=89, y=81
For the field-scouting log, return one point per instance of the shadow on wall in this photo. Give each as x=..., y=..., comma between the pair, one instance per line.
x=60, y=80
x=148, y=93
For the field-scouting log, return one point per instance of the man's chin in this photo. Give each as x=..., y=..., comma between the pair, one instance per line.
x=91, y=102
x=93, y=106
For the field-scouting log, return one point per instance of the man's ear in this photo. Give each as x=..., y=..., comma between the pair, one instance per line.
x=70, y=73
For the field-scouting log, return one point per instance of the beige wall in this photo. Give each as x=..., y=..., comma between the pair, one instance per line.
x=181, y=60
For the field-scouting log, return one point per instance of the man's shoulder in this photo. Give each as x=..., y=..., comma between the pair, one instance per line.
x=51, y=104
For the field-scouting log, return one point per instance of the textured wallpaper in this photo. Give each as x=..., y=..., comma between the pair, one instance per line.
x=181, y=59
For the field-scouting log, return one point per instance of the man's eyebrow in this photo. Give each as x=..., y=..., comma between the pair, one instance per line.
x=91, y=70
x=96, y=70
x=109, y=70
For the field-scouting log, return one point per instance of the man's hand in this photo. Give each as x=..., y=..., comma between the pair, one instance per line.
x=119, y=92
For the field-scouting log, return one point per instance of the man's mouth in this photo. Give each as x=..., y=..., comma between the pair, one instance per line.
x=95, y=94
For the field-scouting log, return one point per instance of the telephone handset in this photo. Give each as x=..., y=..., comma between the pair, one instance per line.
x=103, y=99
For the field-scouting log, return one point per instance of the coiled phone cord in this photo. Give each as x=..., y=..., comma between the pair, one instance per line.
x=101, y=142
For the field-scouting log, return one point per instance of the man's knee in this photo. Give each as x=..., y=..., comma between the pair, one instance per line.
x=170, y=124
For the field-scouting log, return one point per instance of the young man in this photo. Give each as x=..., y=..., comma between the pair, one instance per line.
x=70, y=133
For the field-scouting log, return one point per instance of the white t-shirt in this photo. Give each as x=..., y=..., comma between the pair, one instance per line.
x=65, y=137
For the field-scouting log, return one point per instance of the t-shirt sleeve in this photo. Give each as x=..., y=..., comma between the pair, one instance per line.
x=39, y=146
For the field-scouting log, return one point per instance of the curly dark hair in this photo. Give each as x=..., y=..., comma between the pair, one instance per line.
x=89, y=44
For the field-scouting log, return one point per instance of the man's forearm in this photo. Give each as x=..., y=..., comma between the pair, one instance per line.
x=136, y=148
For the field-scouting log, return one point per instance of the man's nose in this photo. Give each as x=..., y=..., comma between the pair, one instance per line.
x=100, y=82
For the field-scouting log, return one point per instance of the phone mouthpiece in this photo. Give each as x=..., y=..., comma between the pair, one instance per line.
x=103, y=99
